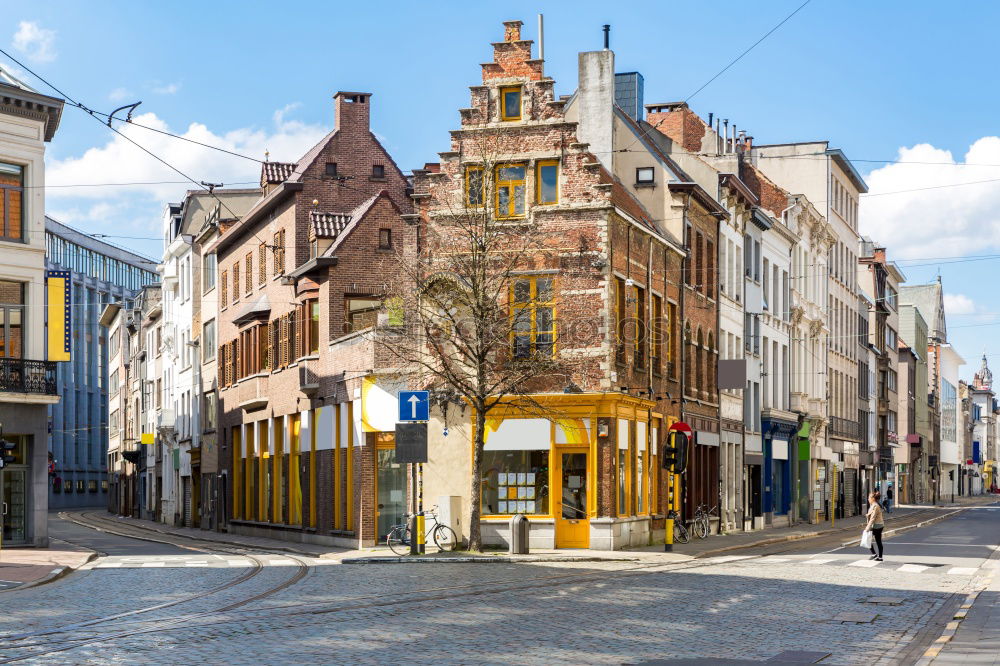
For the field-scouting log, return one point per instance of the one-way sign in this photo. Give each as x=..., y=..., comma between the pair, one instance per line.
x=414, y=405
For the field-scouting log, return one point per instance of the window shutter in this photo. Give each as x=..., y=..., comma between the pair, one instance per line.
x=262, y=264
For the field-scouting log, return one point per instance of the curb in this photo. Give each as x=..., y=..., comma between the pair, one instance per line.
x=499, y=559
x=55, y=574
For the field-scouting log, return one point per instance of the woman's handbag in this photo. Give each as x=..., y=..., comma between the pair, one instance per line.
x=866, y=539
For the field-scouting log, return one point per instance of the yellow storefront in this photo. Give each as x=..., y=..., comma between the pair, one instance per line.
x=582, y=467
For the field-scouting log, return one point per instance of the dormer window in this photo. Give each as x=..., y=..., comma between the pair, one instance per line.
x=644, y=176
x=510, y=103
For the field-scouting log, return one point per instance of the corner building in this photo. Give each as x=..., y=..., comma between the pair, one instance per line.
x=304, y=414
x=590, y=472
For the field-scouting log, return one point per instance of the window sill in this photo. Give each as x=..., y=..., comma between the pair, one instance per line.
x=640, y=186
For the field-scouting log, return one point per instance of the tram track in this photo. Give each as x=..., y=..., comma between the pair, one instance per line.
x=292, y=611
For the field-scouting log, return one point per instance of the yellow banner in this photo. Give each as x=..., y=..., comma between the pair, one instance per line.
x=147, y=438
x=59, y=286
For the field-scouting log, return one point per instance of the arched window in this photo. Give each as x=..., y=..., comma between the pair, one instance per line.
x=689, y=370
x=710, y=364
x=699, y=354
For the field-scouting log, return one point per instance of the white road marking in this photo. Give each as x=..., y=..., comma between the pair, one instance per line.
x=864, y=563
x=962, y=571
x=153, y=564
x=819, y=561
x=109, y=565
x=731, y=558
x=912, y=568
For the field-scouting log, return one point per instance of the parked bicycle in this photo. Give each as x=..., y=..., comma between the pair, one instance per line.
x=440, y=534
x=681, y=534
x=701, y=525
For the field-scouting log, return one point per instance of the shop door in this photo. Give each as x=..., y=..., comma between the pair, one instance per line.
x=391, y=491
x=572, y=522
x=12, y=494
x=186, y=483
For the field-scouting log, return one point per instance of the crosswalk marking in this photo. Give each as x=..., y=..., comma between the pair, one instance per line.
x=912, y=568
x=153, y=564
x=962, y=571
x=819, y=561
x=864, y=563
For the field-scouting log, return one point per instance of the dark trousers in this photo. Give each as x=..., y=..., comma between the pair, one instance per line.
x=876, y=540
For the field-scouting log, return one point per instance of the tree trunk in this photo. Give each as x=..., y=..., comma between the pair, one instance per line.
x=475, y=536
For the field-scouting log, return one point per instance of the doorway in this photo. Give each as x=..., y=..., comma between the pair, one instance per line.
x=572, y=518
x=14, y=508
x=390, y=491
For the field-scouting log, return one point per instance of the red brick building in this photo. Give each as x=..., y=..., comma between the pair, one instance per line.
x=303, y=416
x=588, y=474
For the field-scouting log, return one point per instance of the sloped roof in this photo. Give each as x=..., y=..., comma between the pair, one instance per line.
x=328, y=225
x=354, y=219
x=8, y=79
x=929, y=301
x=275, y=172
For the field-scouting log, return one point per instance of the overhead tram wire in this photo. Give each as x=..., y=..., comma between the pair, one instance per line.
x=93, y=114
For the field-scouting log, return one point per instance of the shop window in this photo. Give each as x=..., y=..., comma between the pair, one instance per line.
x=474, y=186
x=515, y=482
x=92, y=486
x=533, y=328
x=641, y=473
x=510, y=103
x=510, y=191
x=11, y=206
x=547, y=182
x=80, y=486
x=624, y=508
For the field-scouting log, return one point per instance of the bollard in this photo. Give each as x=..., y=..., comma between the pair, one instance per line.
x=421, y=537
x=519, y=531
x=414, y=548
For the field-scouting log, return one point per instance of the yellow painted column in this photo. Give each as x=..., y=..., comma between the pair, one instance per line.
x=262, y=462
x=350, y=466
x=337, y=485
x=248, y=463
x=294, y=480
x=237, y=473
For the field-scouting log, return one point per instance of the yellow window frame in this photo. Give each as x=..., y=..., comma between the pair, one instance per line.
x=533, y=304
x=538, y=181
x=469, y=170
x=502, y=184
x=503, y=102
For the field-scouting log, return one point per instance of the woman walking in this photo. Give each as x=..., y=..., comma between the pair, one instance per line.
x=876, y=523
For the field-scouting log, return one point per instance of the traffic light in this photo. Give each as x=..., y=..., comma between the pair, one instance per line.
x=5, y=457
x=675, y=451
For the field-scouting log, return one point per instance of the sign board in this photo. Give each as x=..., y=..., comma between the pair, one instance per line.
x=732, y=374
x=411, y=442
x=147, y=438
x=414, y=406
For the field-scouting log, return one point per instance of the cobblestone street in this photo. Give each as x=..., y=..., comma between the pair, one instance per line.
x=183, y=605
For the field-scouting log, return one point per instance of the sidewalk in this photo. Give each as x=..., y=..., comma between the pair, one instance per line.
x=24, y=567
x=713, y=545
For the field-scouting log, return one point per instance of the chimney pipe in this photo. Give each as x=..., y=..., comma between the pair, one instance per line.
x=607, y=36
x=718, y=136
x=541, y=37
x=725, y=136
x=710, y=117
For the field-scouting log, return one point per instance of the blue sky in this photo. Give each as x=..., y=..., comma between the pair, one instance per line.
x=873, y=78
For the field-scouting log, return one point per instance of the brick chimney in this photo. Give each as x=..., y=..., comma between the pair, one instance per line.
x=351, y=110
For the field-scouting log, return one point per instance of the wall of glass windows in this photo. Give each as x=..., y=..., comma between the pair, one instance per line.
x=88, y=261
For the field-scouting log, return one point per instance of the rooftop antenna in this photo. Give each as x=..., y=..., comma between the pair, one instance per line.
x=607, y=36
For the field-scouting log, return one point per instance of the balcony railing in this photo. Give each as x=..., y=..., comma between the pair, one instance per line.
x=18, y=375
x=845, y=428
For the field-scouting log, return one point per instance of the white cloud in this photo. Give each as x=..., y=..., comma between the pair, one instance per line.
x=35, y=42
x=168, y=89
x=138, y=208
x=119, y=94
x=959, y=304
x=941, y=213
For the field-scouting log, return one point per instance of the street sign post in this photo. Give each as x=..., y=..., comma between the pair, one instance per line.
x=414, y=406
x=411, y=442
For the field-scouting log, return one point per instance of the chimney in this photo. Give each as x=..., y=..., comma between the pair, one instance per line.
x=596, y=100
x=351, y=111
x=512, y=31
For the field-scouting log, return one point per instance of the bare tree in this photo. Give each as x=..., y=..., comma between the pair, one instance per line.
x=473, y=325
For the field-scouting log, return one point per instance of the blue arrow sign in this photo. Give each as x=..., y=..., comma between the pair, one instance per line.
x=414, y=405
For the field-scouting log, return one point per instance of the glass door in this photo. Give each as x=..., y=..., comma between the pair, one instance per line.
x=12, y=486
x=572, y=521
x=391, y=492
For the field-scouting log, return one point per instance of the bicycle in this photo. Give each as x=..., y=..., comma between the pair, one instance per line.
x=443, y=536
x=702, y=520
x=681, y=534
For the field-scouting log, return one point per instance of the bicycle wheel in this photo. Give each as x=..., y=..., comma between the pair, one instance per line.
x=680, y=533
x=399, y=540
x=700, y=528
x=445, y=537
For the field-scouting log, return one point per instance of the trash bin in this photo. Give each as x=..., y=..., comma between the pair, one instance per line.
x=519, y=528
